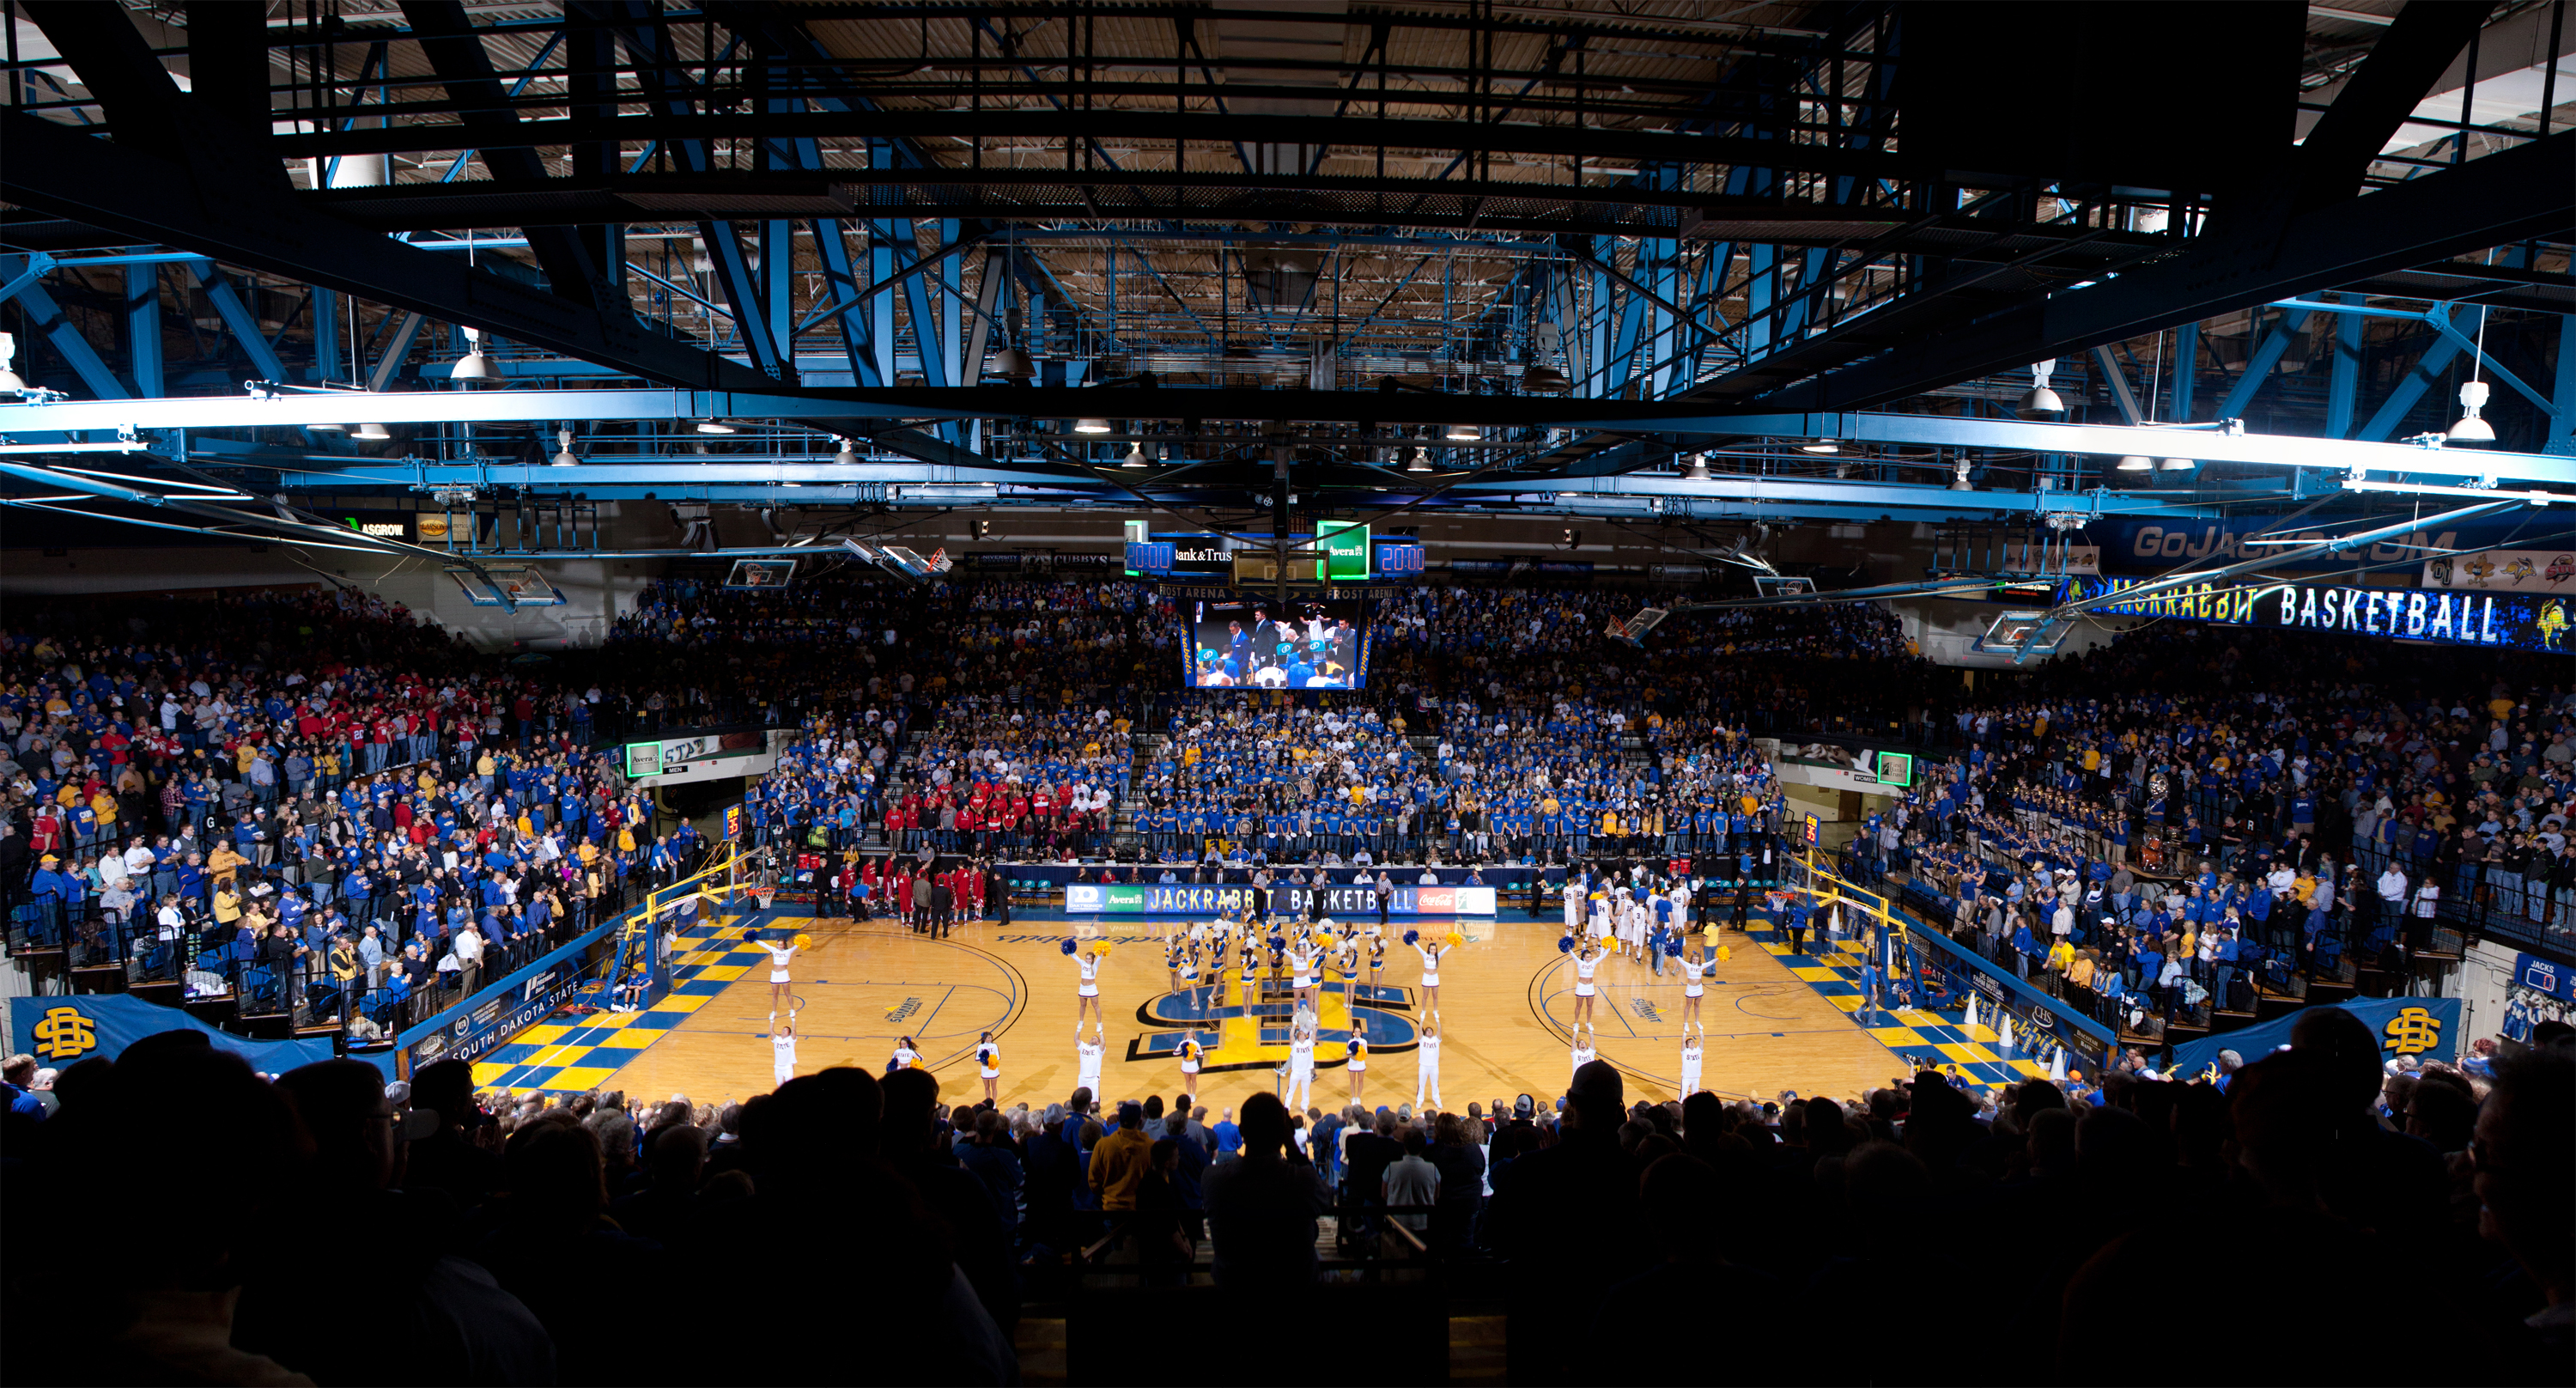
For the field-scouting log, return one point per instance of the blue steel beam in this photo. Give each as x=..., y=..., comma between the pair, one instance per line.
x=143, y=328
x=238, y=317
x=2561, y=438
x=2343, y=382
x=2258, y=367
x=2428, y=369
x=22, y=275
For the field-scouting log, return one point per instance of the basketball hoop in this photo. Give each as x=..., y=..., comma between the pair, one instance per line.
x=764, y=895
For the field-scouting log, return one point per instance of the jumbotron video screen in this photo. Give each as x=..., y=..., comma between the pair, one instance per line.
x=1260, y=644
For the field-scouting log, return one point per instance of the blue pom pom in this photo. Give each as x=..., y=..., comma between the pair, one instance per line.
x=1068, y=946
x=1412, y=936
x=1672, y=949
x=1565, y=945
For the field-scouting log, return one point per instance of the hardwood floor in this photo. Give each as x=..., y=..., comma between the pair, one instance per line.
x=1504, y=1008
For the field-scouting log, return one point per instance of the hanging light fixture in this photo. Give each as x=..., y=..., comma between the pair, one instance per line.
x=1012, y=364
x=1464, y=433
x=1540, y=379
x=2471, y=429
x=2039, y=401
x=848, y=456
x=371, y=433
x=1698, y=469
x=1959, y=478
x=1421, y=461
x=473, y=366
x=2137, y=463
x=714, y=426
x=2180, y=464
x=1136, y=457
x=1091, y=426
x=1821, y=446
x=564, y=454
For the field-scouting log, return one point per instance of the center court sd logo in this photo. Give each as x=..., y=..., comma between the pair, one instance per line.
x=64, y=1034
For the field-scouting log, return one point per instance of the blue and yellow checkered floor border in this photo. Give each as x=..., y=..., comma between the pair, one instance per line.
x=570, y=1052
x=1929, y=1039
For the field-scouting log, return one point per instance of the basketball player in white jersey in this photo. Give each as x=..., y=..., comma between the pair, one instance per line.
x=988, y=1064
x=1599, y=928
x=1088, y=1051
x=1587, y=961
x=1191, y=1053
x=782, y=1050
x=780, y=995
x=1690, y=1065
x=1426, y=1066
x=1574, y=899
x=1430, y=948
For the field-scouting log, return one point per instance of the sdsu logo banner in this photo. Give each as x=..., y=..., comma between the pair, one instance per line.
x=60, y=1031
x=2426, y=1028
x=1174, y=899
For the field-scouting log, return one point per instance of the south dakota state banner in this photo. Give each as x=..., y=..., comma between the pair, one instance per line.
x=59, y=1031
x=2425, y=1028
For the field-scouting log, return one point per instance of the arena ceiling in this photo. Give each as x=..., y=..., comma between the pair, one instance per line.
x=1707, y=258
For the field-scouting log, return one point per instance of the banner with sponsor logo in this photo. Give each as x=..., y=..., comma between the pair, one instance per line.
x=60, y=1030
x=2541, y=990
x=1183, y=899
x=2510, y=621
x=473, y=1027
x=2426, y=1028
x=2133, y=546
x=2505, y=571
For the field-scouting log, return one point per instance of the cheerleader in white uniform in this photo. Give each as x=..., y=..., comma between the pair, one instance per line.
x=1587, y=959
x=1086, y=992
x=1176, y=960
x=988, y=1063
x=1583, y=1052
x=1356, y=1053
x=782, y=1050
x=1694, y=969
x=1088, y=1052
x=1376, y=956
x=1303, y=957
x=1430, y=950
x=1690, y=1065
x=780, y=996
x=1191, y=1054
x=1426, y=1066
x=1301, y=1064
x=904, y=1058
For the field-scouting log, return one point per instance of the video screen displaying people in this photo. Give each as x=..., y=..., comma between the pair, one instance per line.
x=1257, y=643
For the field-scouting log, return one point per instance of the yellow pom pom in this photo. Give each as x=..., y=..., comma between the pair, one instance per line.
x=1325, y=939
x=1723, y=953
x=1101, y=949
x=804, y=941
x=1454, y=939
